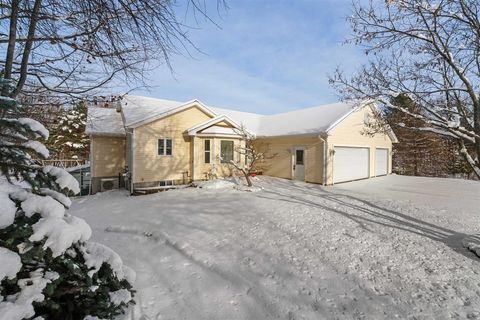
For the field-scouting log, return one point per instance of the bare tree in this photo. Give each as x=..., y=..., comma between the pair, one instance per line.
x=62, y=48
x=252, y=151
x=429, y=51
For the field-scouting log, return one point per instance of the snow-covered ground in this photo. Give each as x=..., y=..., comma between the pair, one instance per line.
x=375, y=249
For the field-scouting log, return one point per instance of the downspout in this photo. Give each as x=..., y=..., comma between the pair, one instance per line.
x=325, y=157
x=132, y=158
x=90, y=156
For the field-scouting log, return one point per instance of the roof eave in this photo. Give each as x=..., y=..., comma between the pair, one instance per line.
x=307, y=134
x=105, y=134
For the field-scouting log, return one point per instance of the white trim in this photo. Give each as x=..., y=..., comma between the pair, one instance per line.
x=308, y=134
x=351, y=146
x=218, y=135
x=193, y=158
x=132, y=169
x=187, y=105
x=210, y=122
x=325, y=158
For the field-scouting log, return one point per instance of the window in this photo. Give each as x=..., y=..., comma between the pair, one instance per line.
x=207, y=151
x=226, y=151
x=164, y=147
x=299, y=157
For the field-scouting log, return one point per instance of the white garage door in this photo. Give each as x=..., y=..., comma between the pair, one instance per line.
x=350, y=163
x=381, y=162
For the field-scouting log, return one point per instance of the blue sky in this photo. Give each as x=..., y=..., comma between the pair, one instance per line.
x=267, y=56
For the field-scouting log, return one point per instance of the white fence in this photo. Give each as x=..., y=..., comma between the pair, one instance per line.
x=64, y=163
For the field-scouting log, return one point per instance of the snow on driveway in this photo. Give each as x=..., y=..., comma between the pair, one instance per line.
x=376, y=249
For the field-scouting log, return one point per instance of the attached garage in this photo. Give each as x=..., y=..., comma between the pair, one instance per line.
x=350, y=163
x=381, y=161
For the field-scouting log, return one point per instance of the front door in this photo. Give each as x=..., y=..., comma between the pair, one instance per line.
x=299, y=164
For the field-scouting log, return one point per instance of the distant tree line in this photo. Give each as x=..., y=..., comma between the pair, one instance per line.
x=422, y=152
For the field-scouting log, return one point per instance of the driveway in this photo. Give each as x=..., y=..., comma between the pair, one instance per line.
x=375, y=249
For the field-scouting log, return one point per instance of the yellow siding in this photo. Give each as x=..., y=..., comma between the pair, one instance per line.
x=108, y=156
x=148, y=165
x=281, y=149
x=223, y=124
x=204, y=170
x=349, y=133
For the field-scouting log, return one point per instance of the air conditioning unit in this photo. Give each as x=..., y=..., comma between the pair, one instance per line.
x=108, y=184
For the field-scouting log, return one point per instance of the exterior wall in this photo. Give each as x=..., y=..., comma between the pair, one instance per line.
x=148, y=165
x=107, y=158
x=281, y=151
x=204, y=170
x=349, y=133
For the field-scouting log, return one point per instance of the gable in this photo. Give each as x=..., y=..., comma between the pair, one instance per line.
x=139, y=112
x=219, y=129
x=216, y=125
x=223, y=124
x=353, y=126
x=178, y=121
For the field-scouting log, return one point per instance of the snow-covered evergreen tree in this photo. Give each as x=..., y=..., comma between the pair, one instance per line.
x=68, y=139
x=48, y=268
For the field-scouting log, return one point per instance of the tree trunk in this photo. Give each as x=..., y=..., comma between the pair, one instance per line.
x=27, y=48
x=247, y=177
x=474, y=164
x=12, y=37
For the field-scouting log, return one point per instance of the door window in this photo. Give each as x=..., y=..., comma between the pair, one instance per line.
x=299, y=157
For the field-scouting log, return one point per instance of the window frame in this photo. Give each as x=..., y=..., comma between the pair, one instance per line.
x=164, y=154
x=207, y=152
x=233, y=151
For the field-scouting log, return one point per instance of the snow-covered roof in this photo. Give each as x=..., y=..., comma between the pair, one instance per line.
x=104, y=121
x=251, y=121
x=137, y=109
x=304, y=121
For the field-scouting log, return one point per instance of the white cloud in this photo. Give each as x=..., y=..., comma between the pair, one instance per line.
x=268, y=57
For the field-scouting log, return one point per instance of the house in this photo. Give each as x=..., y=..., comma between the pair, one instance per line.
x=157, y=143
